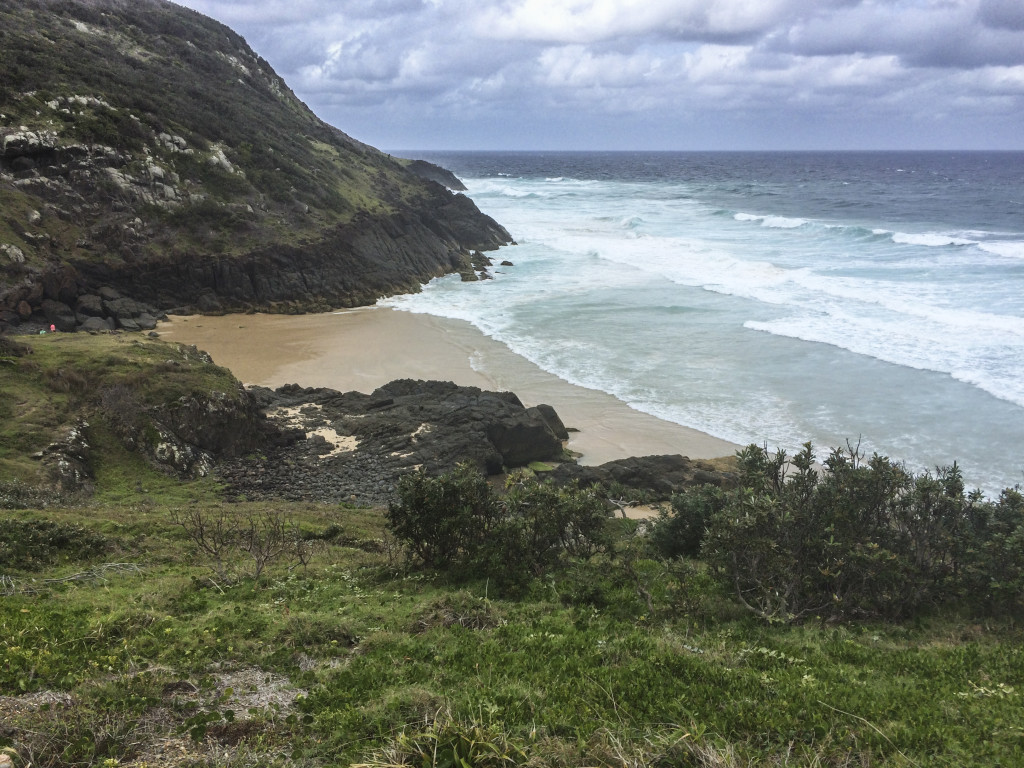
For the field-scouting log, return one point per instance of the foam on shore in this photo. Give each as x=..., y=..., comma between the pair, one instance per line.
x=362, y=349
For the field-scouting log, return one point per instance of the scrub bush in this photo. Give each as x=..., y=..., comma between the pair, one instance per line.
x=851, y=538
x=457, y=522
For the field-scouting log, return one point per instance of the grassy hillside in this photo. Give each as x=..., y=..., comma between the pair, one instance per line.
x=122, y=640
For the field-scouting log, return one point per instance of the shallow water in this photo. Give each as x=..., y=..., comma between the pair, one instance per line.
x=776, y=297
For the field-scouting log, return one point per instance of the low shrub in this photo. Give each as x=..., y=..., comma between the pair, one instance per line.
x=30, y=545
x=458, y=523
x=851, y=538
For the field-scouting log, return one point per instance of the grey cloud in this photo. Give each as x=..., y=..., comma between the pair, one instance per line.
x=1002, y=14
x=942, y=36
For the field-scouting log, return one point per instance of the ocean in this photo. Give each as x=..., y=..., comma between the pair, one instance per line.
x=875, y=298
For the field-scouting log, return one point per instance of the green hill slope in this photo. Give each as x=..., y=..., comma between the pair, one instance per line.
x=147, y=148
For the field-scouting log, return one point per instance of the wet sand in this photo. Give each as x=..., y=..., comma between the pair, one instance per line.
x=362, y=349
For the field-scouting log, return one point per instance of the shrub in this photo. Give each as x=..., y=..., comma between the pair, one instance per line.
x=854, y=538
x=266, y=537
x=444, y=520
x=680, y=532
x=994, y=575
x=457, y=522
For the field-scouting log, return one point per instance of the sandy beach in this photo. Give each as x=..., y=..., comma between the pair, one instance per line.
x=362, y=349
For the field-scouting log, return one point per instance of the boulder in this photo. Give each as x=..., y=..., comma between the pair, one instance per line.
x=90, y=305
x=96, y=324
x=13, y=253
x=60, y=315
x=109, y=294
x=146, y=321
x=123, y=308
x=551, y=418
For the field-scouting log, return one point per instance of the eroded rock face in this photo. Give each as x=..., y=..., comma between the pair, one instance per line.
x=337, y=445
x=67, y=459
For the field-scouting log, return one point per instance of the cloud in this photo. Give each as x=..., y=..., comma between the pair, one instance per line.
x=574, y=71
x=1002, y=14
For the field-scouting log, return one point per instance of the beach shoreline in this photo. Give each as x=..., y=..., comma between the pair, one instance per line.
x=364, y=348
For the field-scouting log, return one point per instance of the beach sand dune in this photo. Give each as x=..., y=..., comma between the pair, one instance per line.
x=362, y=349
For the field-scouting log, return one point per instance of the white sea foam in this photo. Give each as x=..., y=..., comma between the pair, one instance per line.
x=1007, y=248
x=773, y=222
x=929, y=239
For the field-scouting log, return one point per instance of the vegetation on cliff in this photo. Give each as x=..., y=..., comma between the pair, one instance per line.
x=147, y=147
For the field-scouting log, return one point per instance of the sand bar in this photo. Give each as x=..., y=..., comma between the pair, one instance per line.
x=362, y=349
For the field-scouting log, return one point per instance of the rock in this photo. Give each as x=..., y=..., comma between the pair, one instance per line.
x=109, y=294
x=372, y=440
x=68, y=459
x=662, y=476
x=24, y=310
x=146, y=321
x=96, y=324
x=90, y=305
x=507, y=263
x=127, y=324
x=59, y=314
x=13, y=253
x=551, y=418
x=22, y=143
x=123, y=309
x=436, y=173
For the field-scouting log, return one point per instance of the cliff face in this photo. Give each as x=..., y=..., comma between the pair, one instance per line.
x=147, y=149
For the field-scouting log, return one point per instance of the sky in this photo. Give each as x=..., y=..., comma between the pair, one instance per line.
x=649, y=74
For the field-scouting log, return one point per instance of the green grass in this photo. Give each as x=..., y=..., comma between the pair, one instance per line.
x=380, y=652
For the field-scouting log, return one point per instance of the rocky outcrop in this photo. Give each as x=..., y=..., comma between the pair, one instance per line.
x=660, y=476
x=67, y=460
x=189, y=435
x=436, y=173
x=336, y=446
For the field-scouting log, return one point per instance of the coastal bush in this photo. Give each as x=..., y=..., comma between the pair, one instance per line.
x=444, y=520
x=851, y=538
x=994, y=576
x=679, y=532
x=457, y=522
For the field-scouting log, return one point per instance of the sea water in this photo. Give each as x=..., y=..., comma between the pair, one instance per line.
x=773, y=298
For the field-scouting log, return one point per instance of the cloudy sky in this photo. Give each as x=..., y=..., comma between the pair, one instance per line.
x=650, y=74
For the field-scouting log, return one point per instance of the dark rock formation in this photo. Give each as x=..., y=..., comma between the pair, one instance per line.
x=442, y=176
x=334, y=445
x=661, y=476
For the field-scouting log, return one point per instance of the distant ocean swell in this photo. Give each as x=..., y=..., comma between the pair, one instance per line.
x=700, y=296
